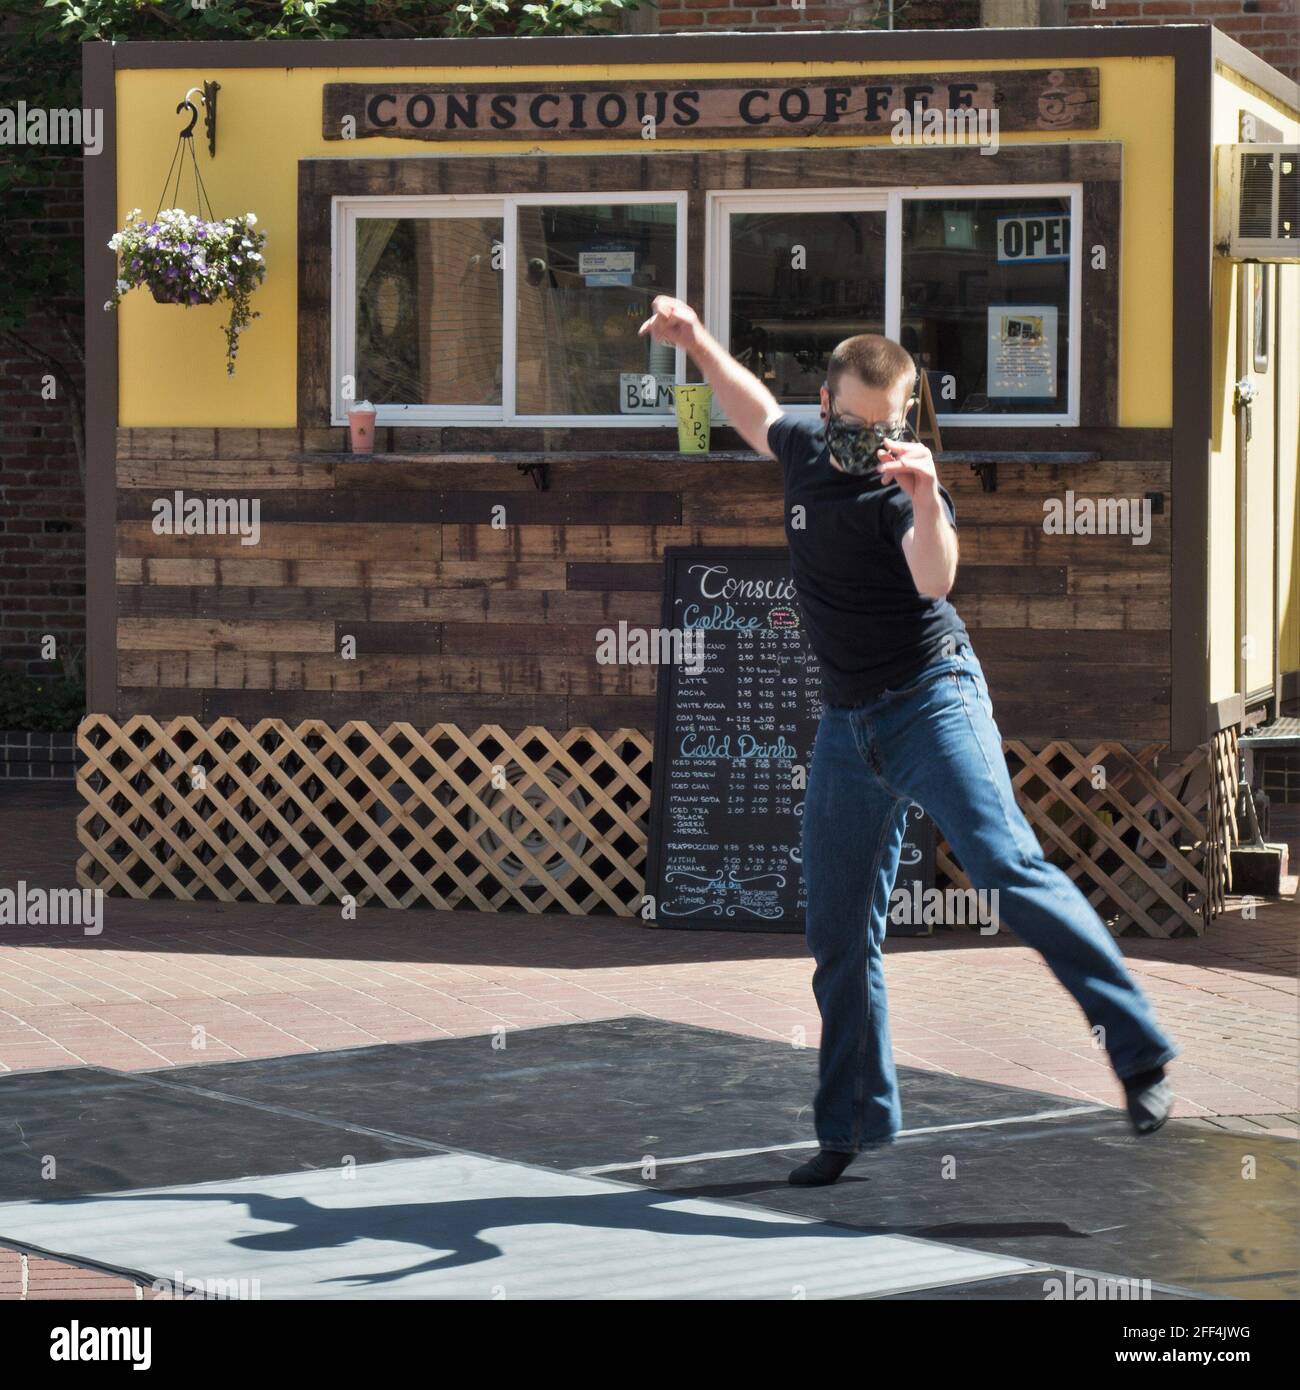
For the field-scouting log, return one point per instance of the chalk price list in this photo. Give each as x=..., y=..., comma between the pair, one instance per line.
x=738, y=729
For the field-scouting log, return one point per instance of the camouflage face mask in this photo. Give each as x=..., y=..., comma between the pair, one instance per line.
x=855, y=446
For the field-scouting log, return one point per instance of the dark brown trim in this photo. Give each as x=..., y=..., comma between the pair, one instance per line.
x=100, y=182
x=1095, y=164
x=1132, y=445
x=1254, y=717
x=1189, y=724
x=1290, y=686
x=1099, y=326
x=1224, y=714
x=1254, y=69
x=929, y=45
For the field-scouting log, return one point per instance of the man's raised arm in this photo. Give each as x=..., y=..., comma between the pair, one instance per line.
x=745, y=401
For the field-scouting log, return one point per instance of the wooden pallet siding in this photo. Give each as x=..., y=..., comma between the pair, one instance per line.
x=980, y=543
x=399, y=553
x=415, y=503
x=153, y=597
x=272, y=670
x=166, y=450
x=309, y=487
x=604, y=713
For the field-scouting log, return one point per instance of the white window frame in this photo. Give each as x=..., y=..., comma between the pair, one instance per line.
x=721, y=204
x=346, y=211
x=718, y=209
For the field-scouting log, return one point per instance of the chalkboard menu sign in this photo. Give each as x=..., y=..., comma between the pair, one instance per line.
x=736, y=720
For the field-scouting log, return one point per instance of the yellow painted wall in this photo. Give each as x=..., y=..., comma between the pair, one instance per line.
x=1232, y=94
x=172, y=369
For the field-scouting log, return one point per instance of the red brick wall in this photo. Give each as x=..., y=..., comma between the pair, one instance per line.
x=1270, y=28
x=676, y=15
x=42, y=527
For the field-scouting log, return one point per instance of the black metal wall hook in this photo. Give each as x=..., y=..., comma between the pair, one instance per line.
x=537, y=472
x=188, y=105
x=208, y=96
x=987, y=472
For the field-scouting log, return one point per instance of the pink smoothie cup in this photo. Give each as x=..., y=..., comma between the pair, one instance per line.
x=361, y=427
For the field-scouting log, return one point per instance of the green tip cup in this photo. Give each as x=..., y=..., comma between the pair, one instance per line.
x=693, y=404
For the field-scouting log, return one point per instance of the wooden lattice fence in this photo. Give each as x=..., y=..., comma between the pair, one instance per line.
x=1145, y=836
x=538, y=822
x=544, y=822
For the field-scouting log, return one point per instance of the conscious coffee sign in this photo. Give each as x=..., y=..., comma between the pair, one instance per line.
x=1024, y=99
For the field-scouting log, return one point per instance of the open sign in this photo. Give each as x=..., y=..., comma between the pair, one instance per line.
x=1043, y=238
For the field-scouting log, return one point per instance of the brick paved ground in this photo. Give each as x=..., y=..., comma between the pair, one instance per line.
x=174, y=984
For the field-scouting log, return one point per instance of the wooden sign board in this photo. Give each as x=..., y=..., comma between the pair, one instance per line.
x=927, y=416
x=733, y=744
x=930, y=108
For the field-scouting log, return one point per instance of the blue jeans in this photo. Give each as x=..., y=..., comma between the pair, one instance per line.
x=933, y=742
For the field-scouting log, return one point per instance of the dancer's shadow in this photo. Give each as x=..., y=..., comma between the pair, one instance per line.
x=951, y=1230
x=455, y=1227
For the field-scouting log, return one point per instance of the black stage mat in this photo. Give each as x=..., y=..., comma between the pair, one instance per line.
x=589, y=1094
x=1080, y=1193
x=102, y=1131
x=1175, y=1208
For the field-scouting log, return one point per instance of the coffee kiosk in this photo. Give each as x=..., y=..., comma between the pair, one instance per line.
x=394, y=697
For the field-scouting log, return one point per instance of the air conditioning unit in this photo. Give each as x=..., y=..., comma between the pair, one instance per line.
x=1257, y=207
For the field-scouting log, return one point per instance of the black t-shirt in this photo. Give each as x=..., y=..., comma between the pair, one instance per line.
x=866, y=622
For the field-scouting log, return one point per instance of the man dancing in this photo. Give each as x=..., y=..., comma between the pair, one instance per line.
x=906, y=717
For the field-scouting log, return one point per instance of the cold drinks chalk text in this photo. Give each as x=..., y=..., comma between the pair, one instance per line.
x=746, y=747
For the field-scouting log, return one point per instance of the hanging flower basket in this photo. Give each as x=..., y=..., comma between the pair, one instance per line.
x=183, y=294
x=184, y=258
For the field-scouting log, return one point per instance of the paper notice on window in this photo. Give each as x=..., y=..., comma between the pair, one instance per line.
x=611, y=263
x=1022, y=349
x=645, y=393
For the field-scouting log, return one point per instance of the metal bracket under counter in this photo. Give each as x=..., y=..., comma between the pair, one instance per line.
x=537, y=472
x=985, y=464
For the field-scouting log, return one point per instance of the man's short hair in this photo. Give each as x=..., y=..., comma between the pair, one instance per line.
x=876, y=361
